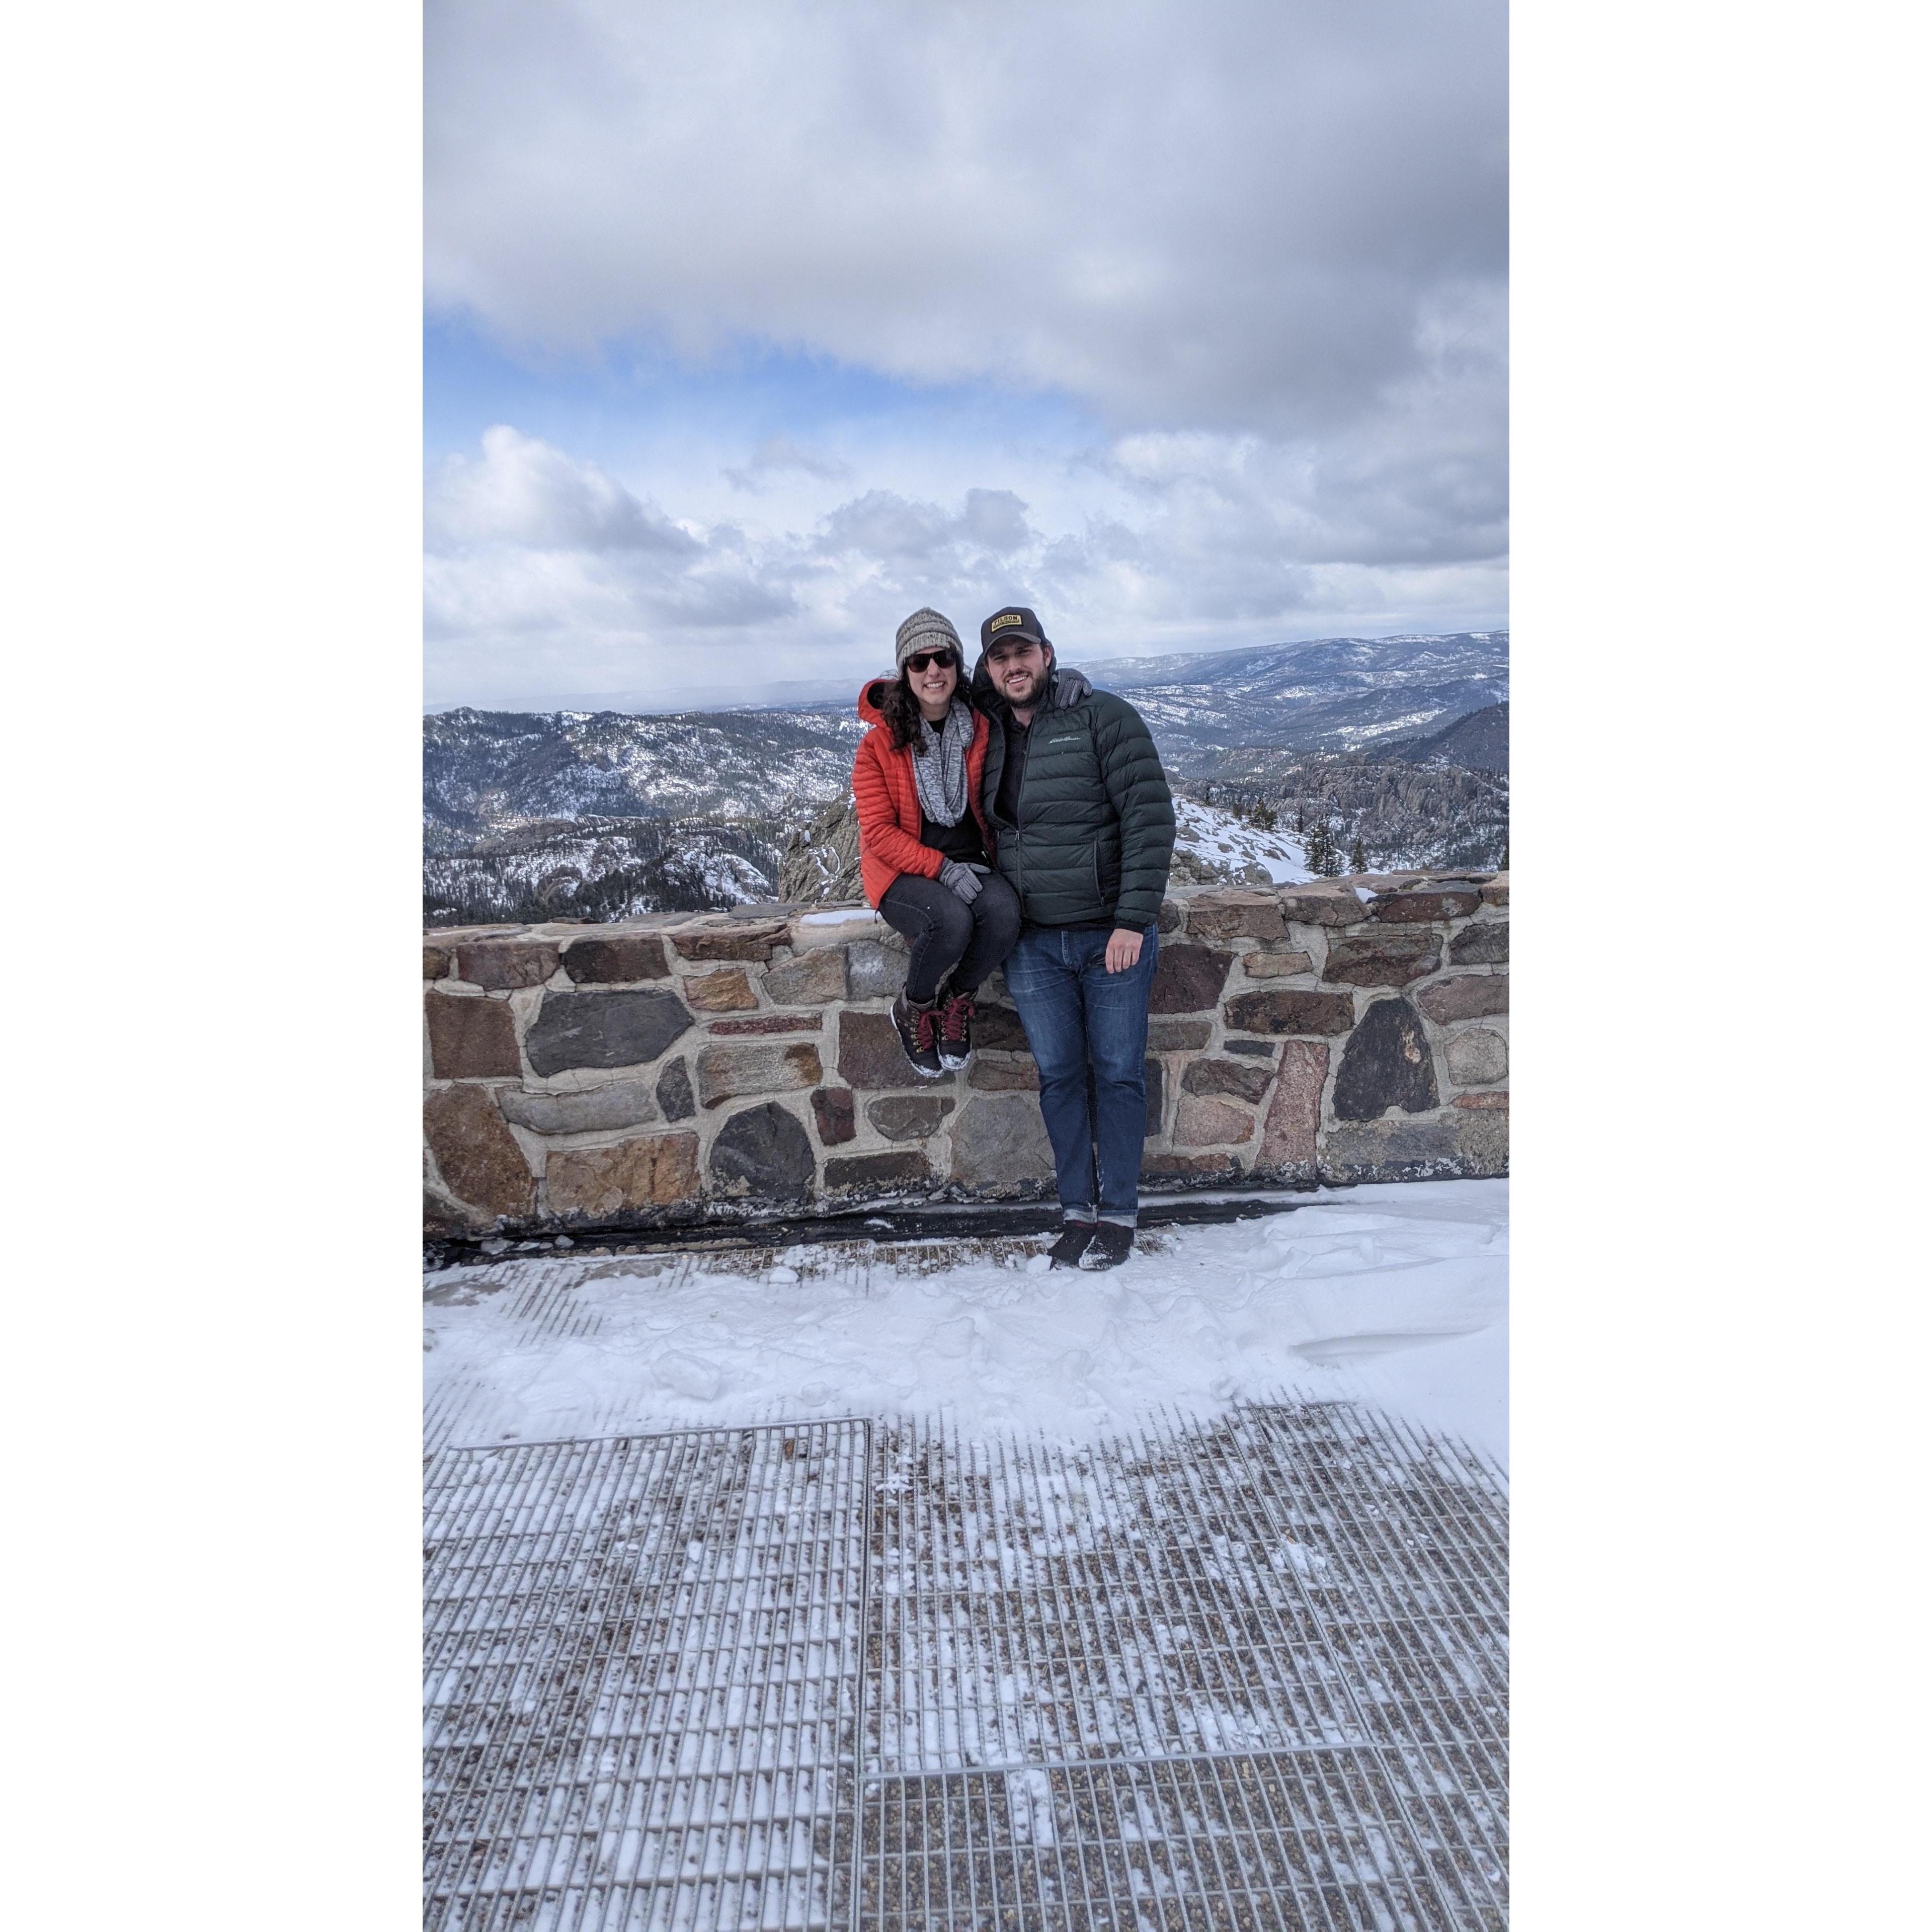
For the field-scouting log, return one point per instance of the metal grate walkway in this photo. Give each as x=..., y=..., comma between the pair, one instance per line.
x=1249, y=1674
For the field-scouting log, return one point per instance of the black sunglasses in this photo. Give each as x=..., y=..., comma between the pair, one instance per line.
x=922, y=661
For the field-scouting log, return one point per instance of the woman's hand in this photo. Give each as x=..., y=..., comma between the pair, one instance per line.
x=1123, y=949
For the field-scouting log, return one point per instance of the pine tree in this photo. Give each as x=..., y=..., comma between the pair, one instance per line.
x=1262, y=816
x=1358, y=860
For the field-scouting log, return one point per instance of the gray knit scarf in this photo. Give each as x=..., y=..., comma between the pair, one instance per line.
x=941, y=775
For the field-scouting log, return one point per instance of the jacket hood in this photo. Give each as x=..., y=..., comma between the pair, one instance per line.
x=1065, y=687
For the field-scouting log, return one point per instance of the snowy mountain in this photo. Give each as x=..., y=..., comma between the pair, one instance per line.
x=1401, y=742
x=486, y=771
x=1333, y=694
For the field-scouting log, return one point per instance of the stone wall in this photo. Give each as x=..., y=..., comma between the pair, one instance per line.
x=686, y=1067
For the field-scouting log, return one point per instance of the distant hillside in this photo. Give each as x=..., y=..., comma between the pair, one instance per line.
x=1333, y=694
x=1402, y=742
x=486, y=771
x=1479, y=740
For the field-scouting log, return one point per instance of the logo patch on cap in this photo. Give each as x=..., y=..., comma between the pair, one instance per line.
x=1001, y=623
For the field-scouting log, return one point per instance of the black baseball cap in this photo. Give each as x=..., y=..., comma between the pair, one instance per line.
x=1015, y=621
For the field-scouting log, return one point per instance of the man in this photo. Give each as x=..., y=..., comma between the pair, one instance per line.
x=1084, y=825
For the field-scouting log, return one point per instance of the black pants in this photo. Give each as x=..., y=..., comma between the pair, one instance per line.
x=946, y=931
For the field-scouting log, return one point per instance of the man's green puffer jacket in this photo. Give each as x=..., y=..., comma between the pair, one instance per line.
x=1096, y=830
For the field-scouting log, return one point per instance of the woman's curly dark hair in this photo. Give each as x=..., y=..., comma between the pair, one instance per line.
x=900, y=709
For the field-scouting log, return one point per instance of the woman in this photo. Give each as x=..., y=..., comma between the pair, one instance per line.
x=926, y=852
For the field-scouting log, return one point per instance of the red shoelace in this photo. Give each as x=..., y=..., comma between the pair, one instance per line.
x=926, y=1027
x=958, y=1010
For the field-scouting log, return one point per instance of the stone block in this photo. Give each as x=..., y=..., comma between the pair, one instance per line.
x=1386, y=1063
x=1500, y=1100
x=1004, y=1076
x=876, y=1172
x=808, y=979
x=1223, y=915
x=999, y=1140
x=1278, y=1011
x=674, y=1094
x=437, y=961
x=501, y=965
x=1484, y=945
x=1246, y=1079
x=1482, y=1137
x=1167, y=1036
x=616, y=960
x=834, y=929
x=1423, y=905
x=1170, y=917
x=1154, y=1076
x=763, y=1154
x=1468, y=996
x=874, y=971
x=1476, y=1057
x=728, y=992
x=652, y=1170
x=1393, y=1150
x=1382, y=958
x=998, y=1027
x=471, y=1038
x=624, y=1103
x=733, y=939
x=870, y=1057
x=1320, y=905
x=1201, y=1123
x=909, y=1117
x=574, y=1030
x=1275, y=965
x=1188, y=979
x=443, y=1219
x=1289, y=1133
x=476, y=1154
x=766, y=1023
x=730, y=1073
x=1188, y=1166
x=1496, y=893
x=832, y=1108
x=1262, y=1049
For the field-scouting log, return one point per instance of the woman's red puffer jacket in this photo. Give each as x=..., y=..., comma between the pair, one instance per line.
x=887, y=796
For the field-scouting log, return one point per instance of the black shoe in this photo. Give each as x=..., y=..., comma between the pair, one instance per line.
x=1065, y=1253
x=1111, y=1245
x=956, y=1031
x=918, y=1027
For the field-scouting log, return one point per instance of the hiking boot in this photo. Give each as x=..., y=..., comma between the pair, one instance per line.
x=1065, y=1253
x=956, y=1031
x=1111, y=1246
x=918, y=1027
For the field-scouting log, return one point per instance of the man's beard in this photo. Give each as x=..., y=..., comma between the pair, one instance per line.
x=1029, y=696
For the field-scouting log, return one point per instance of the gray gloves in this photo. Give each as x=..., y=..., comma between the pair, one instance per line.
x=964, y=880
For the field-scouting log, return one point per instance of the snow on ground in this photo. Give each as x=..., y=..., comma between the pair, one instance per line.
x=1396, y=1295
x=1226, y=840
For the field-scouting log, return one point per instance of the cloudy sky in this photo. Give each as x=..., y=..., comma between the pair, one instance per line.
x=751, y=328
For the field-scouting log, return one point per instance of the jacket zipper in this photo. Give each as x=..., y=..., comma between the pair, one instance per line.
x=1019, y=806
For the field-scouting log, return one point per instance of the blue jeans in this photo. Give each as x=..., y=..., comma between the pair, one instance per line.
x=1087, y=1028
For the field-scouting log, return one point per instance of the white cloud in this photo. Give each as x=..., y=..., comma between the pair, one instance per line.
x=1240, y=216
x=521, y=491
x=779, y=455
x=1207, y=539
x=1255, y=252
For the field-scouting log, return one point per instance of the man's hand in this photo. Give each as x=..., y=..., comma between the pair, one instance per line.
x=1123, y=949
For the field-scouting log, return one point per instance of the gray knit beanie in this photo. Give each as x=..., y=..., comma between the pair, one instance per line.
x=925, y=631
